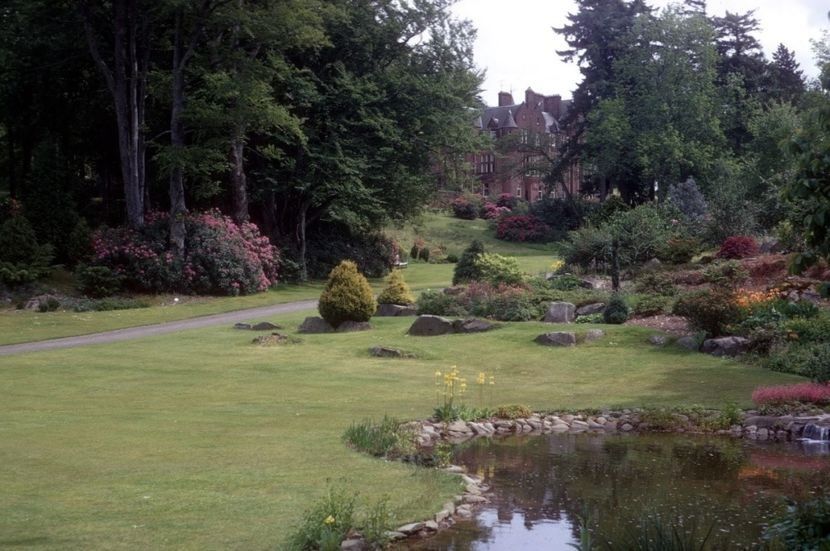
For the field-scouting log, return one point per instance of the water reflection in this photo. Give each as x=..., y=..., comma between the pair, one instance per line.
x=542, y=484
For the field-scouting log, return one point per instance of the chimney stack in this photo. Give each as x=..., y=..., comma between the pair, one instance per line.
x=531, y=98
x=553, y=105
x=505, y=98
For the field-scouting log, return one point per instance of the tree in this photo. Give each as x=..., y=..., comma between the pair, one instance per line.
x=786, y=79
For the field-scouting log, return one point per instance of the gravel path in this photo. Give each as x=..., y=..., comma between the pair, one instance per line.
x=140, y=332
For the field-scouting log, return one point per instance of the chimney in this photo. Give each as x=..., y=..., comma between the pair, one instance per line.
x=505, y=98
x=531, y=98
x=553, y=105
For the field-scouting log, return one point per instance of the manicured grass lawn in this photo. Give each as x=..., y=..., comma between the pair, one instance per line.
x=202, y=440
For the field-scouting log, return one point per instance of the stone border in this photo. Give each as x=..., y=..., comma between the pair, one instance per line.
x=430, y=433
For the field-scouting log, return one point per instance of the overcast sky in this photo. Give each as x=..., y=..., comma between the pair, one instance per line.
x=517, y=47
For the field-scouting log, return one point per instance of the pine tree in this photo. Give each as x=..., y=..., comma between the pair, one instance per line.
x=786, y=79
x=396, y=291
x=347, y=296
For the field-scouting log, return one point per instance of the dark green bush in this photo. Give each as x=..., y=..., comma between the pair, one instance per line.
x=79, y=243
x=679, y=250
x=587, y=247
x=616, y=311
x=22, y=258
x=565, y=282
x=109, y=304
x=805, y=526
x=655, y=283
x=653, y=305
x=330, y=243
x=710, y=311
x=438, y=303
x=98, y=281
x=730, y=273
x=467, y=268
x=49, y=305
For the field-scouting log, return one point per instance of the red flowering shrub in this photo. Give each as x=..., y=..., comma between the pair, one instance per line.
x=522, y=228
x=467, y=206
x=738, y=246
x=220, y=257
x=491, y=211
x=813, y=393
x=507, y=201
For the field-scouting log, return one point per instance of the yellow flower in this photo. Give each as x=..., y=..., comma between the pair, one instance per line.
x=437, y=373
x=329, y=520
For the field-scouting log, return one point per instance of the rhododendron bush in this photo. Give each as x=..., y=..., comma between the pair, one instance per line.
x=220, y=256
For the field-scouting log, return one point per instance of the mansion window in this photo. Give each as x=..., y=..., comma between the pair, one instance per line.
x=520, y=192
x=523, y=136
x=532, y=165
x=486, y=164
x=540, y=193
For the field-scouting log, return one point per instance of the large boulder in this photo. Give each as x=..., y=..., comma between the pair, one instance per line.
x=596, y=283
x=557, y=338
x=689, y=342
x=379, y=351
x=428, y=326
x=725, y=346
x=591, y=309
x=315, y=324
x=473, y=325
x=560, y=312
x=394, y=310
x=265, y=326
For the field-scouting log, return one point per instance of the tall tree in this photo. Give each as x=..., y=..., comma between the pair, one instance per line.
x=786, y=79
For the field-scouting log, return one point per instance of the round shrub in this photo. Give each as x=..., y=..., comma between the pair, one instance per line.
x=347, y=296
x=467, y=269
x=507, y=201
x=491, y=211
x=98, y=281
x=522, y=228
x=679, y=250
x=396, y=291
x=616, y=311
x=652, y=305
x=22, y=258
x=655, y=283
x=467, y=206
x=438, y=303
x=817, y=366
x=710, y=311
x=496, y=269
x=738, y=246
x=725, y=274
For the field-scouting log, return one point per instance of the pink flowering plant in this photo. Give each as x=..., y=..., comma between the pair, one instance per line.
x=808, y=393
x=221, y=257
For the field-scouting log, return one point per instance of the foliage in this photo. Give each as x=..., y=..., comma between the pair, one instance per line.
x=396, y=290
x=565, y=282
x=451, y=390
x=49, y=305
x=467, y=206
x=513, y=411
x=221, y=257
x=725, y=274
x=376, y=524
x=803, y=526
x=591, y=318
x=738, y=246
x=22, y=258
x=347, y=296
x=710, y=311
x=98, y=281
x=810, y=330
x=491, y=211
x=109, y=304
x=386, y=438
x=79, y=243
x=652, y=305
x=561, y=215
x=679, y=250
x=326, y=523
x=655, y=283
x=467, y=268
x=811, y=393
x=656, y=533
x=523, y=229
x=501, y=302
x=641, y=233
x=438, y=303
x=497, y=269
x=508, y=201
x=586, y=247
x=616, y=311
x=689, y=201
x=373, y=252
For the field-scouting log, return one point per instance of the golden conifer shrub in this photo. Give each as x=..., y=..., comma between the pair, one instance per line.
x=347, y=296
x=396, y=291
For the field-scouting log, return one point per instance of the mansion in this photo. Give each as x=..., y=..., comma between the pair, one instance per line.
x=530, y=134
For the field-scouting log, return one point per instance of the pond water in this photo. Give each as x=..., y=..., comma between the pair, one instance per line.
x=543, y=485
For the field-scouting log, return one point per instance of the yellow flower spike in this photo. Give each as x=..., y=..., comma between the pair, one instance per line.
x=329, y=520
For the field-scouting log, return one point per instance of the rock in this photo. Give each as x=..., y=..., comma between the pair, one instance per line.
x=764, y=421
x=450, y=506
x=265, y=326
x=596, y=283
x=473, y=325
x=428, y=326
x=658, y=340
x=688, y=342
x=725, y=346
x=242, y=326
x=557, y=338
x=458, y=426
x=475, y=498
x=653, y=264
x=394, y=310
x=560, y=312
x=594, y=334
x=354, y=544
x=274, y=339
x=411, y=528
x=590, y=309
x=354, y=326
x=626, y=427
x=393, y=535
x=385, y=352
x=442, y=515
x=315, y=325
x=464, y=511
x=431, y=525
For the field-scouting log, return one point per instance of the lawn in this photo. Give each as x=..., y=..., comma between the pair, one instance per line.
x=202, y=440
x=18, y=326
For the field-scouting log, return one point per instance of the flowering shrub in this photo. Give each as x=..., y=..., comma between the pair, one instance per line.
x=501, y=302
x=523, y=228
x=738, y=246
x=451, y=388
x=467, y=206
x=812, y=393
x=220, y=256
x=491, y=211
x=507, y=201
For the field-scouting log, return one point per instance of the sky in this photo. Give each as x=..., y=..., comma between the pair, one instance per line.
x=509, y=30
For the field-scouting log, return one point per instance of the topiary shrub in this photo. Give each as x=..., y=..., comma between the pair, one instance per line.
x=396, y=291
x=22, y=258
x=466, y=269
x=522, y=228
x=496, y=269
x=616, y=311
x=738, y=246
x=710, y=311
x=347, y=296
x=98, y=281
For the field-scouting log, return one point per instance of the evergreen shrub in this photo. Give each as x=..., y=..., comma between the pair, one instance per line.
x=347, y=296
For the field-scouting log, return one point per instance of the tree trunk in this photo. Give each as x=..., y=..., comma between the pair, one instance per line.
x=239, y=184
x=178, y=209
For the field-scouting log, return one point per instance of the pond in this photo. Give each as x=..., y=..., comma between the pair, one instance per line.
x=543, y=485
